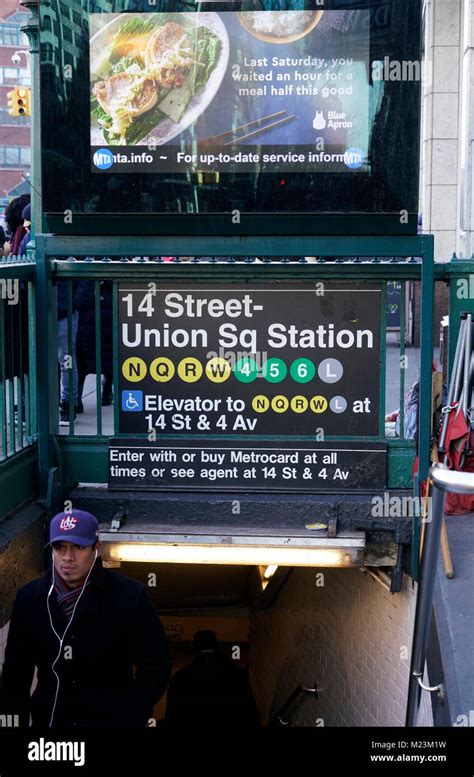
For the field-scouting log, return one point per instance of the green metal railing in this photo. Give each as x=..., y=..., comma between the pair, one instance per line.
x=71, y=272
x=83, y=457
x=18, y=395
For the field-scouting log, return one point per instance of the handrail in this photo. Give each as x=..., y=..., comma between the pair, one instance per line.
x=444, y=480
x=277, y=719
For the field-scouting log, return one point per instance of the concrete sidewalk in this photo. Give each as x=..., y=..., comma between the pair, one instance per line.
x=454, y=613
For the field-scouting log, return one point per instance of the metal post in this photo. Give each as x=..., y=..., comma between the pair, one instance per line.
x=402, y=369
x=454, y=383
x=31, y=28
x=47, y=377
x=443, y=480
x=427, y=304
x=467, y=367
x=383, y=360
x=424, y=407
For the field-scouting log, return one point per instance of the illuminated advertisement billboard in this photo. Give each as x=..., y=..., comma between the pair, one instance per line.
x=271, y=109
x=255, y=91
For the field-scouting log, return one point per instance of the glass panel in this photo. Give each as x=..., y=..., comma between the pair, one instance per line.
x=12, y=155
x=9, y=35
x=25, y=155
x=9, y=75
x=309, y=111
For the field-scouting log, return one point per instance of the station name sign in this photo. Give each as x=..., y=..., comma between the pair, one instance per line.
x=246, y=387
x=280, y=359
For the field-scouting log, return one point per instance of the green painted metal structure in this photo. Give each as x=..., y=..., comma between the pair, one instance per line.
x=74, y=466
x=84, y=458
x=26, y=471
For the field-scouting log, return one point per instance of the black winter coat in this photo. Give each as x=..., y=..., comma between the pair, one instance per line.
x=85, y=343
x=77, y=292
x=211, y=693
x=115, y=628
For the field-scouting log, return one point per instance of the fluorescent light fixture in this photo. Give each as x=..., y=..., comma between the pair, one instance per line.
x=266, y=574
x=189, y=553
x=270, y=571
x=379, y=576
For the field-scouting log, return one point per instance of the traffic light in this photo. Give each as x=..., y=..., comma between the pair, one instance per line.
x=18, y=101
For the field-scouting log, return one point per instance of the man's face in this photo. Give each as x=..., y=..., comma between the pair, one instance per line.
x=73, y=562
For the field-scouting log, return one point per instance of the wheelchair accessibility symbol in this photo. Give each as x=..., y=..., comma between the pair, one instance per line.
x=132, y=401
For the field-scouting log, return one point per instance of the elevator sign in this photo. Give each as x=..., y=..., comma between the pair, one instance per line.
x=280, y=359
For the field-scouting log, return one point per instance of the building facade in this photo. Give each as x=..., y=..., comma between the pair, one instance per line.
x=15, y=153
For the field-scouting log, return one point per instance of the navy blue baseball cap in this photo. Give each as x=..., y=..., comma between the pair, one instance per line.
x=77, y=526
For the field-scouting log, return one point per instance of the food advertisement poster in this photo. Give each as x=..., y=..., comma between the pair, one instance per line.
x=232, y=91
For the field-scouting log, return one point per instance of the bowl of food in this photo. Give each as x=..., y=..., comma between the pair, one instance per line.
x=153, y=75
x=279, y=26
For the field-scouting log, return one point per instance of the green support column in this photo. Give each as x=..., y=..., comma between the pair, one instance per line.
x=426, y=337
x=424, y=414
x=47, y=361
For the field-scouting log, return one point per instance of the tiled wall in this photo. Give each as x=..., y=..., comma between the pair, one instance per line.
x=350, y=636
x=441, y=124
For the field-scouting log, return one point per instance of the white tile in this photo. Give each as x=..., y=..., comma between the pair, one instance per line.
x=444, y=161
x=447, y=16
x=445, y=245
x=470, y=37
x=443, y=208
x=426, y=208
x=427, y=109
x=427, y=71
x=445, y=116
x=429, y=24
x=445, y=69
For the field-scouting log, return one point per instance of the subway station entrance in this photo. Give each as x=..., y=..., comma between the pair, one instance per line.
x=225, y=339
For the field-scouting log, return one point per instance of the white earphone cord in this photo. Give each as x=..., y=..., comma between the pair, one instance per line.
x=61, y=639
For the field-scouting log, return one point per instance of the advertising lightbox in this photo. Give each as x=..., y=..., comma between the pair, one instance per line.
x=259, y=91
x=195, y=112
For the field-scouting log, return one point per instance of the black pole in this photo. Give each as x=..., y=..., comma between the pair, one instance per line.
x=424, y=602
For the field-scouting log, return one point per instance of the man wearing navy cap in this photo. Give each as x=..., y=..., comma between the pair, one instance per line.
x=93, y=634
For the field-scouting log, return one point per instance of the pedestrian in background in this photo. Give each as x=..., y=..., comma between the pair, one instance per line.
x=212, y=692
x=14, y=221
x=86, y=339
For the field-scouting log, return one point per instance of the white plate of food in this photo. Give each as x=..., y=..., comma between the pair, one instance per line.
x=279, y=26
x=153, y=75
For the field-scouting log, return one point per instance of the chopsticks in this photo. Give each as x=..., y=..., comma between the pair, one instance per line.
x=216, y=138
x=262, y=129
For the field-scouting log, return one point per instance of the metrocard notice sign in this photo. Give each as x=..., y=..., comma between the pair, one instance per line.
x=186, y=465
x=286, y=360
